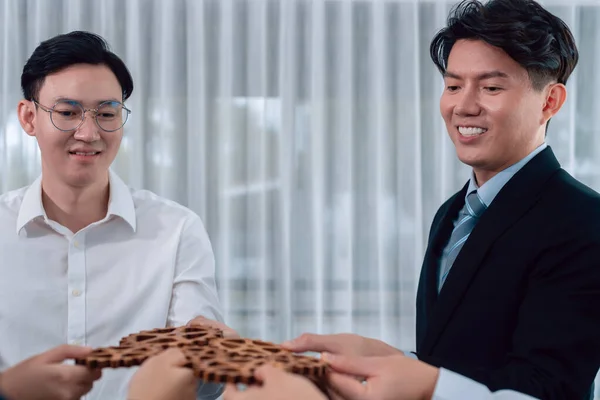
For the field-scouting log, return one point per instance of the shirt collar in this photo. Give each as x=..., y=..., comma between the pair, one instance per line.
x=120, y=203
x=491, y=188
x=31, y=206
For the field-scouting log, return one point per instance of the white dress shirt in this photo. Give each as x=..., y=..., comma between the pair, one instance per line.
x=147, y=264
x=452, y=386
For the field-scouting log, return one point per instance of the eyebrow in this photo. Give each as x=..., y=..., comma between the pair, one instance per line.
x=480, y=77
x=61, y=98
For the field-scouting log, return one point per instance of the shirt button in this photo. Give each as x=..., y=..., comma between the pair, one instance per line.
x=75, y=342
x=76, y=244
x=76, y=293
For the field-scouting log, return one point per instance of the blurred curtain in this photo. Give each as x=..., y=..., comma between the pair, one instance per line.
x=306, y=134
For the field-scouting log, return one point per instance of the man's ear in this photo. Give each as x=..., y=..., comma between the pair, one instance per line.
x=26, y=112
x=556, y=95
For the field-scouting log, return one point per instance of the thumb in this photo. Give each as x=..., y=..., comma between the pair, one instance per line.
x=353, y=365
x=346, y=387
x=62, y=353
x=313, y=342
x=173, y=357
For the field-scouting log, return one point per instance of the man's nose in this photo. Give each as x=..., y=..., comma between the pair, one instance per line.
x=468, y=104
x=88, y=131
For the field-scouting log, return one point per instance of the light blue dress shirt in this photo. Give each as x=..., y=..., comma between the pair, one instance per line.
x=489, y=190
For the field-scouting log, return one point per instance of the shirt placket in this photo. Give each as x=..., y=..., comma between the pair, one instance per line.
x=76, y=290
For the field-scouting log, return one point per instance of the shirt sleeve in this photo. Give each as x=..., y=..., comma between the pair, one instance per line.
x=410, y=354
x=452, y=386
x=194, y=288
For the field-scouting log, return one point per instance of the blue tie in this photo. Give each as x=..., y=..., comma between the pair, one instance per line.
x=467, y=218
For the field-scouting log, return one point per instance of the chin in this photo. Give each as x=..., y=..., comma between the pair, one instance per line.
x=468, y=158
x=82, y=179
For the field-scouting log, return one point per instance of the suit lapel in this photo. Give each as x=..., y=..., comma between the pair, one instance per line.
x=512, y=202
x=440, y=233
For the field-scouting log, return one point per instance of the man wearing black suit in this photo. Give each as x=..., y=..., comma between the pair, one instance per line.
x=510, y=285
x=509, y=293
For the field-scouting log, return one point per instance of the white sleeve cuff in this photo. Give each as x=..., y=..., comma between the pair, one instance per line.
x=452, y=386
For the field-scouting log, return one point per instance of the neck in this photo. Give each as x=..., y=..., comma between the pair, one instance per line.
x=75, y=207
x=482, y=176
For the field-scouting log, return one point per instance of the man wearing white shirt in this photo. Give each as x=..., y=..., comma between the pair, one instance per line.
x=87, y=260
x=385, y=378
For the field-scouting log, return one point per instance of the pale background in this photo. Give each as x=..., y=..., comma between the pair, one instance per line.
x=306, y=134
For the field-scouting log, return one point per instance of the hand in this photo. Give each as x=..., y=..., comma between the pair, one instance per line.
x=276, y=385
x=45, y=377
x=227, y=331
x=163, y=377
x=387, y=378
x=344, y=344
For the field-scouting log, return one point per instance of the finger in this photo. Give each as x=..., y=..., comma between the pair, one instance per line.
x=231, y=392
x=346, y=387
x=83, y=389
x=183, y=378
x=231, y=387
x=77, y=373
x=352, y=365
x=199, y=320
x=268, y=373
x=314, y=342
x=333, y=395
x=229, y=333
x=63, y=352
x=173, y=357
x=252, y=393
x=94, y=374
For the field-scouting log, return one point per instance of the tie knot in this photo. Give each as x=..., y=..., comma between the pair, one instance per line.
x=475, y=206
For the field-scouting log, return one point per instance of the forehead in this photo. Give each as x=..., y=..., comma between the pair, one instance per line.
x=83, y=82
x=472, y=58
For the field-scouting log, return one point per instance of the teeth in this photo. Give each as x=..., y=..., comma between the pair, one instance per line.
x=471, y=131
x=79, y=153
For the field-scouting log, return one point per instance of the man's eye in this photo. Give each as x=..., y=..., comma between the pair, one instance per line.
x=65, y=113
x=452, y=88
x=493, y=89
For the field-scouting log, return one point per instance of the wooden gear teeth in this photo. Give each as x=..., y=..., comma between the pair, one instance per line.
x=117, y=356
x=215, y=365
x=256, y=348
x=211, y=357
x=173, y=337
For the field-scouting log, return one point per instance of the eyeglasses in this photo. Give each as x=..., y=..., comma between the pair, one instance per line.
x=68, y=115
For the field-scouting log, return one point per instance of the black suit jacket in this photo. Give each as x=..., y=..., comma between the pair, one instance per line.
x=520, y=308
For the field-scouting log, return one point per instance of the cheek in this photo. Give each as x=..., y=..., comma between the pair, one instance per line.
x=504, y=113
x=446, y=108
x=113, y=142
x=51, y=144
x=518, y=110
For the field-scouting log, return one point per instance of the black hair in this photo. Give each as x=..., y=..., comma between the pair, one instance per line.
x=62, y=51
x=536, y=39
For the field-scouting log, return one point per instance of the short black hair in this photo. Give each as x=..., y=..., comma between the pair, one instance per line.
x=532, y=36
x=62, y=51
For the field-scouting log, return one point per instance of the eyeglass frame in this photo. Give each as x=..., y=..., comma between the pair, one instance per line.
x=50, y=110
